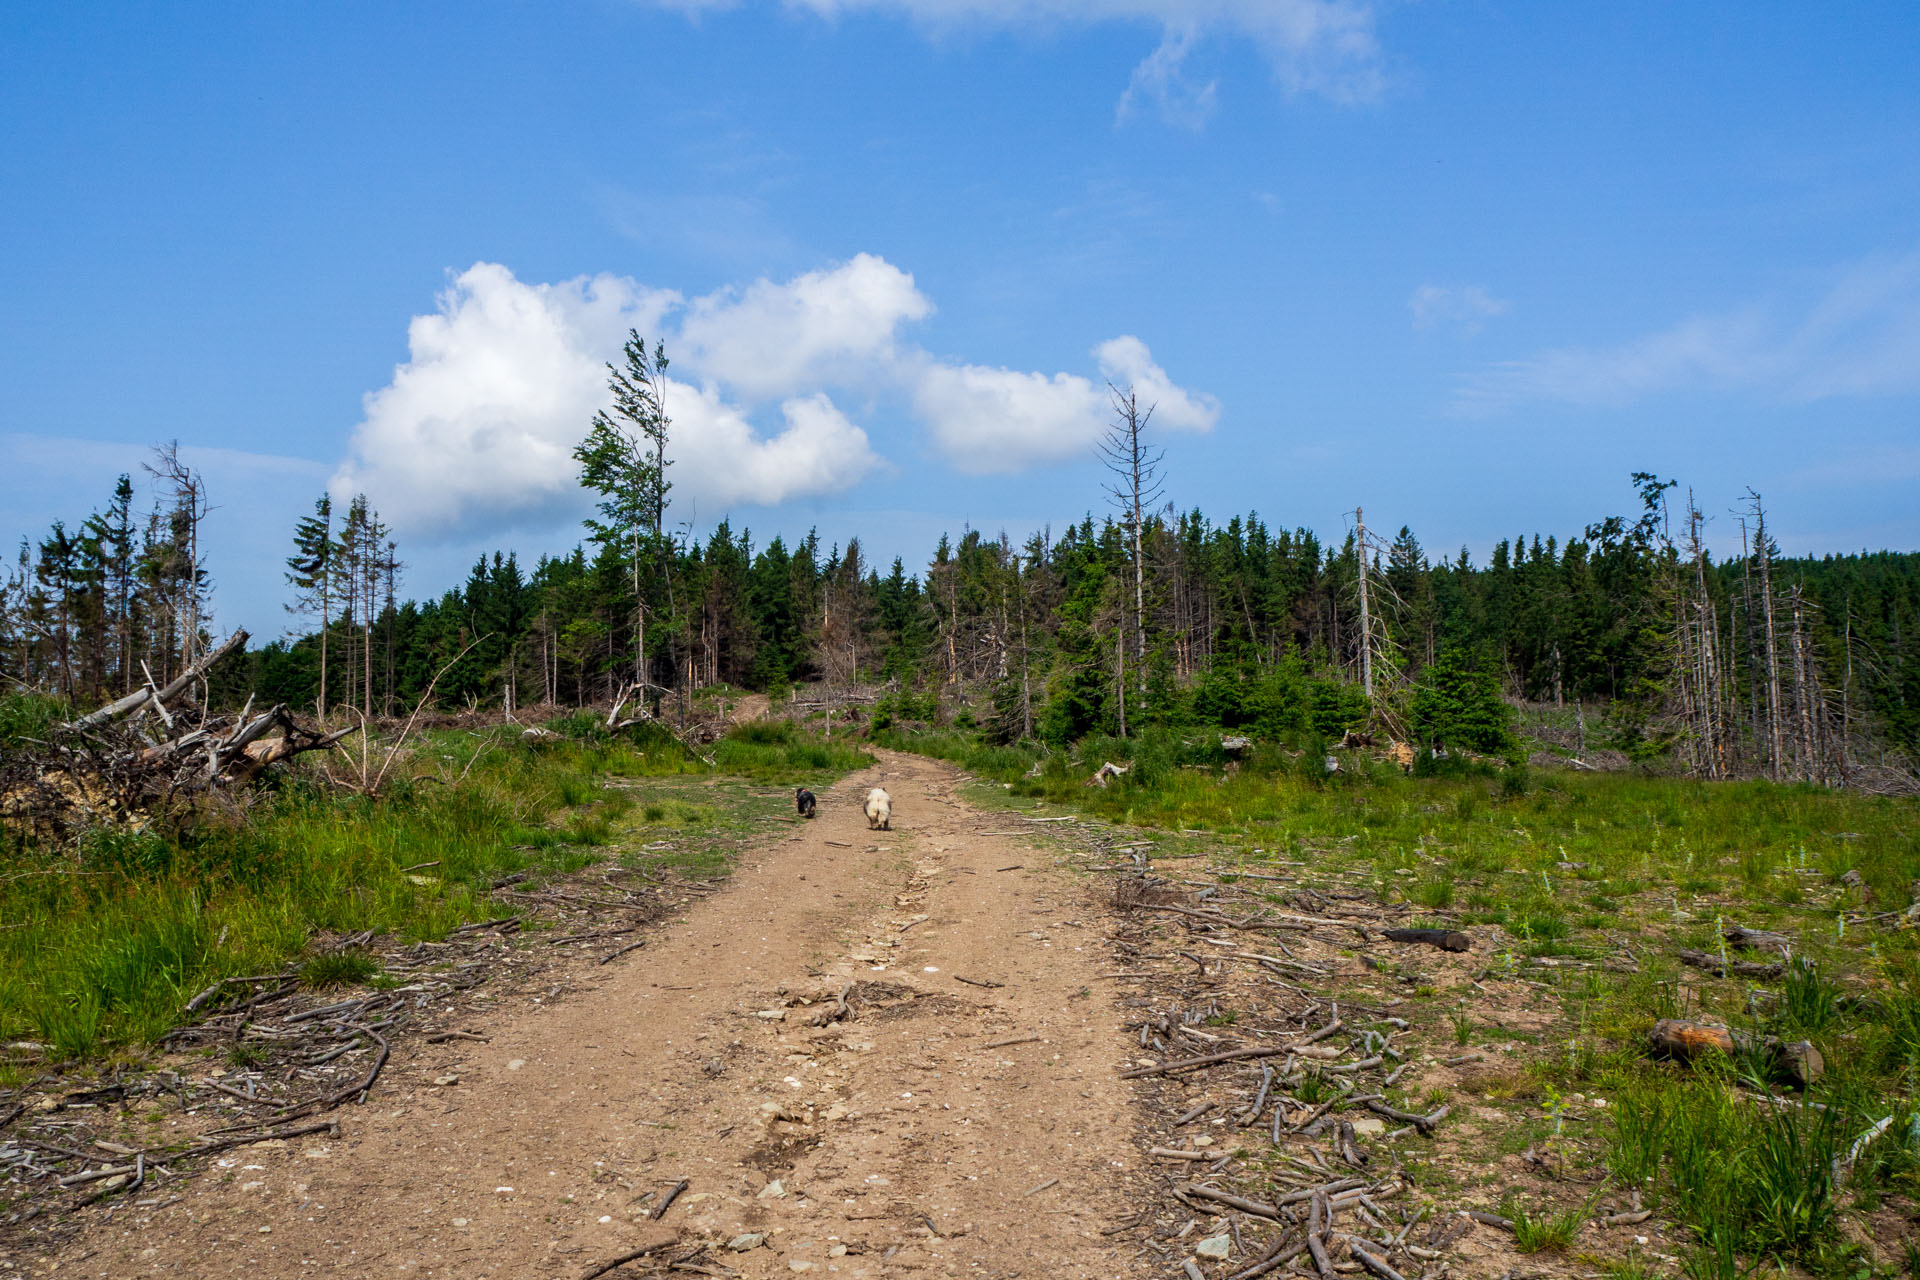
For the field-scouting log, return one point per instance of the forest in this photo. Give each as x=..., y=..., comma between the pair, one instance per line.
x=1761, y=665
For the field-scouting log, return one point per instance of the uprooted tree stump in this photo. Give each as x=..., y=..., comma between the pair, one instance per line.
x=146, y=751
x=1795, y=1061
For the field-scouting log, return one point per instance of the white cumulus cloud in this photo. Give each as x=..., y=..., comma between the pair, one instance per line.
x=478, y=426
x=722, y=459
x=828, y=325
x=1125, y=362
x=992, y=421
x=997, y=421
x=481, y=420
x=477, y=429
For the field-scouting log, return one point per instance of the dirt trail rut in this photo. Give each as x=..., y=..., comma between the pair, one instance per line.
x=901, y=1143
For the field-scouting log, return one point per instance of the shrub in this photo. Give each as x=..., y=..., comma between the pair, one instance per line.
x=1459, y=705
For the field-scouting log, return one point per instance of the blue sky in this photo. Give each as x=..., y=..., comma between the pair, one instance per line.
x=1466, y=264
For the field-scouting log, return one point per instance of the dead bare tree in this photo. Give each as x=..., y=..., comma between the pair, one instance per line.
x=1379, y=668
x=1136, y=485
x=1762, y=550
x=1697, y=655
x=178, y=577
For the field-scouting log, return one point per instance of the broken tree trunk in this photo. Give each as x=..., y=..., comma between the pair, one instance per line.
x=1683, y=1041
x=114, y=765
x=140, y=697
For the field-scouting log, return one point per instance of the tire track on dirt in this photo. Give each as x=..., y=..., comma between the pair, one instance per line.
x=945, y=1128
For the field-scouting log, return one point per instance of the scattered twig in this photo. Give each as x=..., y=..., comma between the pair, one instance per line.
x=624, y=1259
x=631, y=946
x=666, y=1201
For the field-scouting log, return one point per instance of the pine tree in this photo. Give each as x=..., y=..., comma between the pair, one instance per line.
x=310, y=572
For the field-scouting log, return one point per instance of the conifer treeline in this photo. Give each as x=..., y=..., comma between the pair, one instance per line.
x=1798, y=667
x=1793, y=667
x=97, y=609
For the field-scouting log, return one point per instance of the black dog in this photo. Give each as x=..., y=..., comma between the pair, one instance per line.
x=803, y=800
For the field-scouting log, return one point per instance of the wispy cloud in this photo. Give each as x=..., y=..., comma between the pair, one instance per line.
x=1161, y=81
x=1861, y=337
x=1323, y=47
x=1464, y=309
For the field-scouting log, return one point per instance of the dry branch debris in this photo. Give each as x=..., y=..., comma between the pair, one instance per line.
x=119, y=765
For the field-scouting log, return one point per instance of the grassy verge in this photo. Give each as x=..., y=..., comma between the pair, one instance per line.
x=103, y=942
x=1590, y=886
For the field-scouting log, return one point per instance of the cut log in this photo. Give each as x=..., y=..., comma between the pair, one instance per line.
x=1744, y=968
x=1796, y=1061
x=1445, y=939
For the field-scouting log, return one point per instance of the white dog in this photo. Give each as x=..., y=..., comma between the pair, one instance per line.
x=879, y=810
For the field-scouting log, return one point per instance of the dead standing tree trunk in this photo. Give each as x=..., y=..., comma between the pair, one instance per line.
x=1136, y=486
x=1366, y=612
x=1776, y=728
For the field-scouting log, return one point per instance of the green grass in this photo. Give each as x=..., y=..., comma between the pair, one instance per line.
x=338, y=969
x=775, y=751
x=102, y=942
x=29, y=717
x=1586, y=869
x=1540, y=1231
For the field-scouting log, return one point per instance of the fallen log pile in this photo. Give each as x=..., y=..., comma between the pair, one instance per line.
x=153, y=749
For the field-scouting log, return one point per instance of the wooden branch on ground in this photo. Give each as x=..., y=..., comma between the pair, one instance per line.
x=666, y=1201
x=621, y=1261
x=1745, y=968
x=1445, y=939
x=1232, y=1055
x=1759, y=939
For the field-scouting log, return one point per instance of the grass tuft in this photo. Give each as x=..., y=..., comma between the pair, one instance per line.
x=1540, y=1231
x=338, y=969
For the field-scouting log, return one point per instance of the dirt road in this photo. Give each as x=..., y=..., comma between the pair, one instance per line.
x=909, y=1140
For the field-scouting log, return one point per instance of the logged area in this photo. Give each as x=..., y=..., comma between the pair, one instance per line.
x=642, y=1017
x=1013, y=1036
x=590, y=1005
